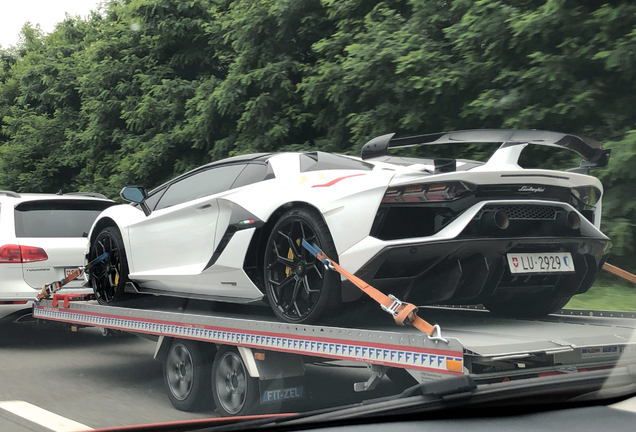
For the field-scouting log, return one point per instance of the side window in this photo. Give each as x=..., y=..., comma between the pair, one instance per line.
x=208, y=182
x=253, y=173
x=154, y=198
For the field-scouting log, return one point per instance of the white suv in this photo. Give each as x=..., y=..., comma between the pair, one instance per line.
x=42, y=238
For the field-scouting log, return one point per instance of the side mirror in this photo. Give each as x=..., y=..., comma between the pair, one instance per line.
x=136, y=194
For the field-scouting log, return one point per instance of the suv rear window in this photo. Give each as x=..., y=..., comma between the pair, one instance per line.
x=57, y=218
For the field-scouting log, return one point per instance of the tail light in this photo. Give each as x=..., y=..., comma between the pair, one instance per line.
x=21, y=254
x=584, y=199
x=33, y=254
x=585, y=196
x=432, y=192
x=10, y=254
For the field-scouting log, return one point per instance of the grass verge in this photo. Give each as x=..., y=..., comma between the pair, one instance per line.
x=612, y=297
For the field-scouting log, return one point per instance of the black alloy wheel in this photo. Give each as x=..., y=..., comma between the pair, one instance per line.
x=109, y=276
x=298, y=286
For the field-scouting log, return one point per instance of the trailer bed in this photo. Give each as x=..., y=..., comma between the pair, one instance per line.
x=477, y=343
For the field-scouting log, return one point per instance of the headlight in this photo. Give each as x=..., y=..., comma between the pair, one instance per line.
x=431, y=192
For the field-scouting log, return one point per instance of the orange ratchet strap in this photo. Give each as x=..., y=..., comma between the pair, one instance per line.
x=53, y=287
x=619, y=272
x=403, y=313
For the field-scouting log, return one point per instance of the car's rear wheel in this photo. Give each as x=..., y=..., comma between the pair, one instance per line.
x=298, y=286
x=109, y=277
x=528, y=305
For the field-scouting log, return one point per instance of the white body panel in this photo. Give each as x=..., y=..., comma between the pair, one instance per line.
x=171, y=249
x=176, y=237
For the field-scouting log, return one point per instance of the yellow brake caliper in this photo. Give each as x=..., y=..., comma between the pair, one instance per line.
x=290, y=255
x=117, y=277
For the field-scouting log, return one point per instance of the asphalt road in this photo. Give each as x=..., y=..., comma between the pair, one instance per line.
x=113, y=381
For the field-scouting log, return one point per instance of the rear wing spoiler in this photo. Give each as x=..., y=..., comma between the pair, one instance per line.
x=592, y=153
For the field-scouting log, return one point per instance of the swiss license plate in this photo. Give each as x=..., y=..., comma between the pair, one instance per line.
x=549, y=262
x=67, y=272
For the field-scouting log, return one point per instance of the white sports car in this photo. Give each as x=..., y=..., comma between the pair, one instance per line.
x=520, y=241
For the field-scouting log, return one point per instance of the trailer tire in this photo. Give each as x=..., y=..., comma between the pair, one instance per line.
x=527, y=306
x=235, y=392
x=186, y=374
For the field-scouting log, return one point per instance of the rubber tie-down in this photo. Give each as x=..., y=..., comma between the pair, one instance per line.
x=403, y=313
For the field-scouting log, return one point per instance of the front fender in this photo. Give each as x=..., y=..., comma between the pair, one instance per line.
x=120, y=216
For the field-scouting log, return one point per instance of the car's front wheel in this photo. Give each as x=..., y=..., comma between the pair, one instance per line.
x=298, y=286
x=109, y=276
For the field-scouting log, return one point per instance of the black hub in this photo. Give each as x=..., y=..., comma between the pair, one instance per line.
x=300, y=269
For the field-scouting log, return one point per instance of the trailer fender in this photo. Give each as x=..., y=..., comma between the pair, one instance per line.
x=269, y=365
x=163, y=345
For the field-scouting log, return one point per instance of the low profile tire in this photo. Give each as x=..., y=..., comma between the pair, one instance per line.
x=527, y=306
x=109, y=277
x=235, y=392
x=186, y=375
x=298, y=286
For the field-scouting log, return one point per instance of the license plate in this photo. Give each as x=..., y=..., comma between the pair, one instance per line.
x=549, y=262
x=67, y=272
x=282, y=394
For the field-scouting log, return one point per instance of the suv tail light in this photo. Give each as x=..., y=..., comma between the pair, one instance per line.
x=33, y=254
x=10, y=254
x=21, y=254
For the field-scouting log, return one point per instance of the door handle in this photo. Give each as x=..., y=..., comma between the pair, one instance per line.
x=204, y=207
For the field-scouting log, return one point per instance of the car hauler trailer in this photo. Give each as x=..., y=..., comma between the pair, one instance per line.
x=245, y=362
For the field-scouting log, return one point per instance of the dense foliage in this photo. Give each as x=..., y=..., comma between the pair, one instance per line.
x=146, y=89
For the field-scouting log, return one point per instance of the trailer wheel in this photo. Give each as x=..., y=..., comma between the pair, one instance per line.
x=527, y=306
x=109, y=277
x=186, y=374
x=298, y=287
x=235, y=392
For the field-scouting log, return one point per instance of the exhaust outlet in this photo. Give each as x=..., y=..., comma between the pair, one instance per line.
x=569, y=220
x=497, y=220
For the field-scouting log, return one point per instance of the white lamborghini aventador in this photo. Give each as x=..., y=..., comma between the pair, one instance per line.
x=520, y=241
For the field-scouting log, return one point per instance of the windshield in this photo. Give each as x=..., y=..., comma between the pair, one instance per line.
x=287, y=271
